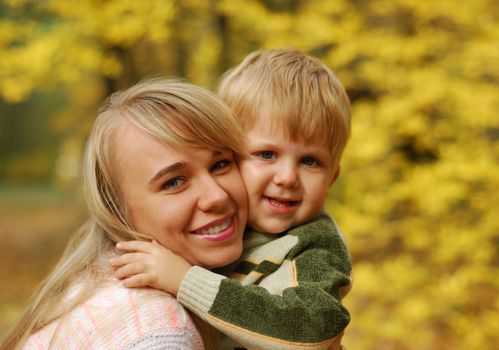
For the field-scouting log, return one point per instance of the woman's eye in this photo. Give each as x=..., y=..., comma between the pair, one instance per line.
x=173, y=183
x=221, y=164
x=266, y=155
x=310, y=161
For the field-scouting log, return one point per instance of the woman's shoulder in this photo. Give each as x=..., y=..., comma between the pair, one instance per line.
x=147, y=316
x=112, y=295
x=116, y=317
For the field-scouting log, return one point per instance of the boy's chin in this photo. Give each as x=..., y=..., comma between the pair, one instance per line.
x=270, y=228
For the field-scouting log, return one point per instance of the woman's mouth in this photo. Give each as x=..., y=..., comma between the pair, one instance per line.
x=217, y=231
x=217, y=228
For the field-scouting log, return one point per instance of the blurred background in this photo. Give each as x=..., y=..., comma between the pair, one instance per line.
x=417, y=198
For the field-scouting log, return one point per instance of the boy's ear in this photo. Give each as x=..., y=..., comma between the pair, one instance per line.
x=335, y=176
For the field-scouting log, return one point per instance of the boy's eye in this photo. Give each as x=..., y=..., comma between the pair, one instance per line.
x=221, y=164
x=266, y=155
x=173, y=183
x=310, y=161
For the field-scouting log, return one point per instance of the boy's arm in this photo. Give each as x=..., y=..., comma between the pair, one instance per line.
x=298, y=306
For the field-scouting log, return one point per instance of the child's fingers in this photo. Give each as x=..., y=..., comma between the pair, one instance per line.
x=136, y=281
x=128, y=270
x=138, y=246
x=124, y=259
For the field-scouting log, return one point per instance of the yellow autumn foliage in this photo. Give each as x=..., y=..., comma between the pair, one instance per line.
x=419, y=186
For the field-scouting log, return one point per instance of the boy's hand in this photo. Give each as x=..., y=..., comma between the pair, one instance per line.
x=149, y=264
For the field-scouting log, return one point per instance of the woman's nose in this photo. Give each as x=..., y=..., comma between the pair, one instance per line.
x=212, y=195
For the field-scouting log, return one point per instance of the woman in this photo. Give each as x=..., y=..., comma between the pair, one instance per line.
x=159, y=165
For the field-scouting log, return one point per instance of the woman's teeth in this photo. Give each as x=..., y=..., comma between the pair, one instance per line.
x=216, y=228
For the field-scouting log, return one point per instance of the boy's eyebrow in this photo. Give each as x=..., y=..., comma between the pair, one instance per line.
x=168, y=169
x=264, y=142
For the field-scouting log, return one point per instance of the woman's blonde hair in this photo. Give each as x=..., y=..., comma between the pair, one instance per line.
x=177, y=113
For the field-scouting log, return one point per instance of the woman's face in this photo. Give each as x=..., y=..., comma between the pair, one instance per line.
x=193, y=202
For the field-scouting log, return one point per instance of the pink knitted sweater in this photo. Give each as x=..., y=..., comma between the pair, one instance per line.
x=120, y=318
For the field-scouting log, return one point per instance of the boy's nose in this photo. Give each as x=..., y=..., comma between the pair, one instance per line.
x=211, y=195
x=286, y=176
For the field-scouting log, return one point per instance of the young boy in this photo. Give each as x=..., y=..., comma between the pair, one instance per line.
x=285, y=291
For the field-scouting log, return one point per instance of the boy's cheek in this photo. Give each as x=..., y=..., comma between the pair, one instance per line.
x=248, y=169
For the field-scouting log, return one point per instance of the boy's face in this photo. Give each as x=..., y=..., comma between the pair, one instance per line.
x=287, y=181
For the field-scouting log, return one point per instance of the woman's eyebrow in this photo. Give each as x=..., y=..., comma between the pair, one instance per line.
x=221, y=151
x=166, y=170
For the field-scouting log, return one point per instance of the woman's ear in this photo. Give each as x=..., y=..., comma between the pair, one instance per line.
x=335, y=175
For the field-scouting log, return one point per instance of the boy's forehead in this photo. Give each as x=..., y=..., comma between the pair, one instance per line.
x=267, y=129
x=267, y=124
x=282, y=125
x=268, y=121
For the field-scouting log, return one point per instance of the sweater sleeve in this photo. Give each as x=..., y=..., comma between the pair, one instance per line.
x=296, y=306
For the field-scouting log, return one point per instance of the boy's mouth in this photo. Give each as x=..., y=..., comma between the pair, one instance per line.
x=281, y=203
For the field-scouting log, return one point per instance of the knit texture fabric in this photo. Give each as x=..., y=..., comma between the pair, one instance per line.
x=120, y=318
x=284, y=293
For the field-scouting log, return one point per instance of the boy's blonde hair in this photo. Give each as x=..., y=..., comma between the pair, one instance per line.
x=181, y=115
x=291, y=89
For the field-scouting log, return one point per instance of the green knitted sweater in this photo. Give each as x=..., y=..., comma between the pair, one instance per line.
x=283, y=293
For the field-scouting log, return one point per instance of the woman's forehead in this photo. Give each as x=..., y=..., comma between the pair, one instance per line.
x=135, y=147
